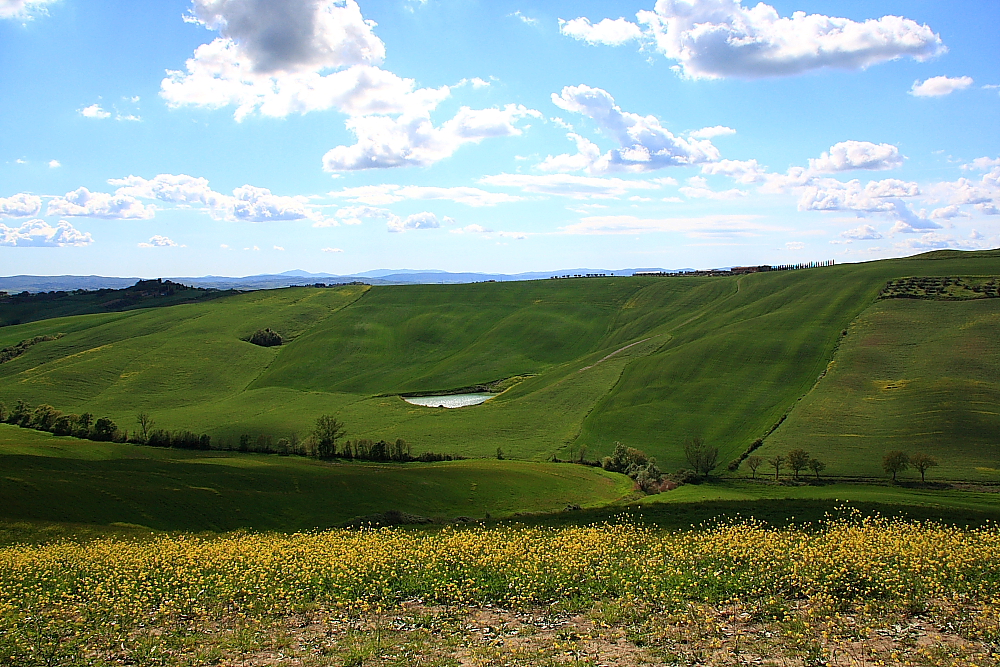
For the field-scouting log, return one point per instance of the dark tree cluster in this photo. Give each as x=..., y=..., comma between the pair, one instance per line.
x=327, y=442
x=796, y=460
x=47, y=418
x=265, y=338
x=634, y=463
x=16, y=350
x=176, y=439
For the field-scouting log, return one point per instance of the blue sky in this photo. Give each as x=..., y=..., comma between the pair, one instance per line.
x=234, y=137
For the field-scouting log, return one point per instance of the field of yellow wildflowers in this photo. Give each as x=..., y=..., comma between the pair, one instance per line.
x=849, y=591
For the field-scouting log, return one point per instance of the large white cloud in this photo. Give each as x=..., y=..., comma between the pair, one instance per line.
x=834, y=195
x=937, y=86
x=40, y=234
x=84, y=203
x=246, y=204
x=567, y=185
x=645, y=144
x=21, y=9
x=292, y=57
x=217, y=76
x=712, y=39
x=848, y=155
x=294, y=35
x=20, y=205
x=173, y=188
x=412, y=140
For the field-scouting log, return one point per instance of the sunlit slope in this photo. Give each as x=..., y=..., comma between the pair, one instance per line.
x=731, y=373
x=920, y=376
x=428, y=337
x=160, y=358
x=648, y=361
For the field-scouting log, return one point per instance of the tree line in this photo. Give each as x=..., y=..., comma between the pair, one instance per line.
x=46, y=418
x=326, y=440
x=796, y=460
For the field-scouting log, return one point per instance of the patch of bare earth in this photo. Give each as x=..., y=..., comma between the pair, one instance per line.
x=609, y=633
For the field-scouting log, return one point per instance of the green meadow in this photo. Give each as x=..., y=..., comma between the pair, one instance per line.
x=47, y=479
x=648, y=361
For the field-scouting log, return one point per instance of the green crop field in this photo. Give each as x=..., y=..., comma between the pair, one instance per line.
x=912, y=375
x=44, y=478
x=648, y=361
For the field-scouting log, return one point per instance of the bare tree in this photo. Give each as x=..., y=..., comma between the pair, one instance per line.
x=922, y=462
x=817, y=466
x=145, y=423
x=703, y=459
x=327, y=432
x=776, y=462
x=754, y=462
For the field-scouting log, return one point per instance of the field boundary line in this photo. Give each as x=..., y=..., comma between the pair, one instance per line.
x=621, y=349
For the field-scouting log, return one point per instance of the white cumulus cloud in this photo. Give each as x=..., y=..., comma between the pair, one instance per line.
x=612, y=33
x=861, y=233
x=160, y=242
x=645, y=144
x=291, y=57
x=937, y=86
x=246, y=204
x=412, y=140
x=710, y=39
x=833, y=195
x=84, y=203
x=20, y=205
x=40, y=234
x=848, y=155
x=423, y=220
x=94, y=111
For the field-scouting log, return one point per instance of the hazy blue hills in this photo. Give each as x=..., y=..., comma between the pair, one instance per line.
x=20, y=283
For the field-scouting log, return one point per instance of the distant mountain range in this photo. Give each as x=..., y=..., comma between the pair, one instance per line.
x=22, y=283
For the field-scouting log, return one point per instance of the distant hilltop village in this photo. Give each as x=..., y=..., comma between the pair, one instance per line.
x=734, y=271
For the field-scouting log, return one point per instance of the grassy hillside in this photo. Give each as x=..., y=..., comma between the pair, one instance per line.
x=51, y=479
x=914, y=375
x=648, y=361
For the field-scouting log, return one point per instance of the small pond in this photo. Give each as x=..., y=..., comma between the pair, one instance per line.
x=449, y=401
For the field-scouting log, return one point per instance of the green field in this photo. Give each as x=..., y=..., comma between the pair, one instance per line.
x=44, y=478
x=918, y=376
x=722, y=358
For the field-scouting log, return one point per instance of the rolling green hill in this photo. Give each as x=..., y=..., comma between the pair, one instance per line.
x=44, y=478
x=918, y=376
x=649, y=361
